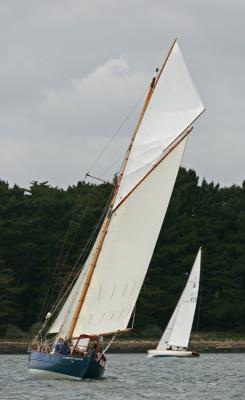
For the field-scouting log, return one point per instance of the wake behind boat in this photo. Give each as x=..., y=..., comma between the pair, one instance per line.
x=175, y=339
x=103, y=297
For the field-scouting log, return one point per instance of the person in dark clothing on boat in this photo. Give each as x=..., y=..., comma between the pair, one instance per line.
x=62, y=347
x=66, y=349
x=96, y=346
x=94, y=349
x=58, y=347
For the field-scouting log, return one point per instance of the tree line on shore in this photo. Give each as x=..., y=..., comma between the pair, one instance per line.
x=44, y=232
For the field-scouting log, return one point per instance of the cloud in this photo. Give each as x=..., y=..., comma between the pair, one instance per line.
x=66, y=127
x=70, y=73
x=92, y=104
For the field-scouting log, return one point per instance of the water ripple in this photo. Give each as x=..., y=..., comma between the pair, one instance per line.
x=133, y=376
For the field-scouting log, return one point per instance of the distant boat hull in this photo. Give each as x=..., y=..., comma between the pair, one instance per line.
x=43, y=365
x=172, y=353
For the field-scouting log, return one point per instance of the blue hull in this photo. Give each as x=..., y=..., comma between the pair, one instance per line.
x=48, y=365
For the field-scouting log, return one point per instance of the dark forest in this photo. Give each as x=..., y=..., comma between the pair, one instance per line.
x=44, y=232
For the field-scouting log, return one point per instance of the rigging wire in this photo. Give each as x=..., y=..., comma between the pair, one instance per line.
x=63, y=293
x=73, y=238
x=86, y=248
x=53, y=283
x=109, y=344
x=133, y=316
x=44, y=305
x=112, y=165
x=117, y=131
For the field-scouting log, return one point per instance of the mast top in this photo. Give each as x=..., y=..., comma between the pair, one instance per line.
x=154, y=79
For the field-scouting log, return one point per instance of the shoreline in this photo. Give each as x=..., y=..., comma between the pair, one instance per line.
x=202, y=346
x=139, y=346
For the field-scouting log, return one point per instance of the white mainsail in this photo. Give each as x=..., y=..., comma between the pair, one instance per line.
x=127, y=251
x=179, y=327
x=139, y=208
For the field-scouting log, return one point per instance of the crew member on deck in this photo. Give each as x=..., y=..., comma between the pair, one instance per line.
x=66, y=349
x=58, y=347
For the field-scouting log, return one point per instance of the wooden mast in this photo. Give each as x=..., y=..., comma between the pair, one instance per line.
x=106, y=222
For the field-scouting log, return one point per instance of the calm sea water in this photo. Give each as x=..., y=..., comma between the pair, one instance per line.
x=133, y=376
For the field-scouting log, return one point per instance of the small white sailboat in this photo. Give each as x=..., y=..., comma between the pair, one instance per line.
x=175, y=339
x=104, y=295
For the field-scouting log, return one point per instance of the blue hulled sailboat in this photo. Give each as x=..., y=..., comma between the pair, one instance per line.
x=103, y=297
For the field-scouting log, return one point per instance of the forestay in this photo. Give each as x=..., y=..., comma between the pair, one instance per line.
x=178, y=330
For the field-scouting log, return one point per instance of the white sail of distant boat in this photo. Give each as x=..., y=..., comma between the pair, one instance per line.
x=176, y=336
x=105, y=293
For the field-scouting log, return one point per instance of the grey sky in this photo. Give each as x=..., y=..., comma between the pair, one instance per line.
x=71, y=71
